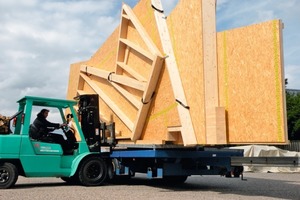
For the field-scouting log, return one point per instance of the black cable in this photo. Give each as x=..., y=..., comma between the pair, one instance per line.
x=187, y=107
x=161, y=11
x=149, y=99
x=109, y=76
x=87, y=72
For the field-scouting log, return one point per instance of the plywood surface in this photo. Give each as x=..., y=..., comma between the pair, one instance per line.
x=251, y=83
x=234, y=90
x=186, y=35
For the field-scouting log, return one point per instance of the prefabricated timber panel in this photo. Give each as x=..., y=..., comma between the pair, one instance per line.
x=251, y=83
x=166, y=80
x=121, y=85
x=152, y=54
x=187, y=130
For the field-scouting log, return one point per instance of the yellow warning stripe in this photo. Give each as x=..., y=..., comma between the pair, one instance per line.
x=277, y=79
x=164, y=111
x=225, y=70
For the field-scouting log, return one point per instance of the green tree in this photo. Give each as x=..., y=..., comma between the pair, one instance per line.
x=293, y=115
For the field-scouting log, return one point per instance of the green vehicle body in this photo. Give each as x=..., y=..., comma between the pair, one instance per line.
x=40, y=159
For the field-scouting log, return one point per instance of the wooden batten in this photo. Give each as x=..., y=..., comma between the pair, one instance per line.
x=212, y=113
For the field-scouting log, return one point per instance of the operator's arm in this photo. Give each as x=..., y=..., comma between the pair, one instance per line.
x=50, y=125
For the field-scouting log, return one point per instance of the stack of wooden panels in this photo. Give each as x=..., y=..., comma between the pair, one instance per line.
x=176, y=81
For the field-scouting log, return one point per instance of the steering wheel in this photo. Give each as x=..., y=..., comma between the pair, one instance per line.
x=66, y=129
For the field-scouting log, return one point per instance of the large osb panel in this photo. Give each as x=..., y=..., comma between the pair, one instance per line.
x=251, y=83
x=73, y=80
x=250, y=79
x=185, y=27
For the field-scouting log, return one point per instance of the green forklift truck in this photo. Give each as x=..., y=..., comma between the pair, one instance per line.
x=96, y=157
x=22, y=155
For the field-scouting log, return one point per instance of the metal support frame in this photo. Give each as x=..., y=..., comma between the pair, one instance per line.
x=266, y=161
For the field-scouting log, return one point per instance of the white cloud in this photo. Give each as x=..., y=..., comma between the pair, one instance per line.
x=41, y=38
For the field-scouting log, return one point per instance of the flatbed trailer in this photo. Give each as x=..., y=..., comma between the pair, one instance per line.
x=164, y=162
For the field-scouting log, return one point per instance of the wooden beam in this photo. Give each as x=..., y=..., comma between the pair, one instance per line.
x=138, y=26
x=132, y=72
x=147, y=98
x=211, y=97
x=88, y=70
x=138, y=49
x=221, y=136
x=188, y=132
x=124, y=80
x=132, y=99
x=130, y=82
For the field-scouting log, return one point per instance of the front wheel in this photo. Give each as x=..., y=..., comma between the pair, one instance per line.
x=8, y=175
x=92, y=171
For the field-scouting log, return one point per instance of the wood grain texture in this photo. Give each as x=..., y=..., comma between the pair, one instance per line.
x=251, y=83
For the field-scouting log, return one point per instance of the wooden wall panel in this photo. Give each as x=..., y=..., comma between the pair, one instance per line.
x=250, y=80
x=185, y=26
x=251, y=83
x=139, y=64
x=163, y=112
x=73, y=80
x=105, y=56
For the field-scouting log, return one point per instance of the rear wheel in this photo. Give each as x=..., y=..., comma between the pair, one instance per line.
x=8, y=175
x=117, y=179
x=92, y=172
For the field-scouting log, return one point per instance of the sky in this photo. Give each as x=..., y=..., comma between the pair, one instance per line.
x=39, y=39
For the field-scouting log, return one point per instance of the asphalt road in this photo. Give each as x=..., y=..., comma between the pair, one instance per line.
x=256, y=186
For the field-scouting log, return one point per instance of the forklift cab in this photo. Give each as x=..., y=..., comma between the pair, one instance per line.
x=82, y=116
x=30, y=106
x=20, y=155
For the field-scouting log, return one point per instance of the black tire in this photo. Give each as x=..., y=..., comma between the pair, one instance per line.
x=92, y=172
x=237, y=171
x=117, y=179
x=8, y=175
x=70, y=180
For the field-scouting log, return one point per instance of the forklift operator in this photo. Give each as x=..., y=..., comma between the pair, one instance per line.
x=41, y=129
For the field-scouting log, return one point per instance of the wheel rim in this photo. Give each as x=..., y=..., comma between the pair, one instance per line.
x=94, y=171
x=4, y=176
